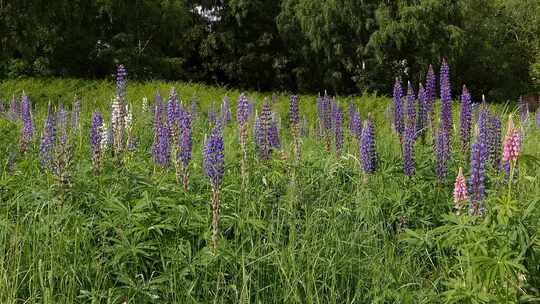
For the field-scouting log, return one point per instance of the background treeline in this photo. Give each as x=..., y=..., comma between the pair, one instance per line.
x=345, y=46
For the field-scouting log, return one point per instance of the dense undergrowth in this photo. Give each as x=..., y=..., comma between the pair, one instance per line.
x=333, y=235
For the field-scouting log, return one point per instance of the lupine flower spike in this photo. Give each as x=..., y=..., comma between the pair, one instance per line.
x=512, y=143
x=398, y=109
x=368, y=154
x=96, y=139
x=465, y=119
x=446, y=98
x=338, y=129
x=213, y=162
x=46, y=147
x=185, y=144
x=477, y=178
x=295, y=125
x=27, y=132
x=408, y=140
x=460, y=192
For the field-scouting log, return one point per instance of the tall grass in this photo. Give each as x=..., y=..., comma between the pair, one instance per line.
x=333, y=236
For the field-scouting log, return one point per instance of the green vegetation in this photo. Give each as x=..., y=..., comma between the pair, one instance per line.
x=345, y=46
x=333, y=235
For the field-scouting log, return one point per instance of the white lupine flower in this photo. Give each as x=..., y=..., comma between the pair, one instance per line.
x=116, y=114
x=104, y=137
x=128, y=118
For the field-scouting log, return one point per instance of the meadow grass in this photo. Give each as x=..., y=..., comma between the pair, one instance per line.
x=330, y=235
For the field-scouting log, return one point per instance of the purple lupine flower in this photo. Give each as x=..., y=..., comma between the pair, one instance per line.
x=356, y=126
x=185, y=144
x=158, y=112
x=161, y=148
x=225, y=113
x=213, y=157
x=212, y=116
x=368, y=153
x=121, y=82
x=75, y=112
x=352, y=110
x=431, y=83
x=409, y=164
x=257, y=131
x=264, y=132
x=294, y=111
x=483, y=123
x=494, y=141
x=421, y=123
x=61, y=122
x=251, y=108
x=411, y=108
x=446, y=97
x=96, y=138
x=398, y=108
x=338, y=129
x=27, y=132
x=47, y=139
x=242, y=111
x=173, y=115
x=273, y=133
x=477, y=178
x=14, y=109
x=442, y=153
x=465, y=119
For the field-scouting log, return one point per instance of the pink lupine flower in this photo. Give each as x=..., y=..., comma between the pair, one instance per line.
x=460, y=191
x=512, y=142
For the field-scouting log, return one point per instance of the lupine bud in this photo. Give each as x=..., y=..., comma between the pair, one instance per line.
x=46, y=147
x=368, y=154
x=213, y=158
x=442, y=153
x=465, y=119
x=121, y=82
x=478, y=176
x=27, y=132
x=398, y=109
x=460, y=191
x=512, y=142
x=446, y=97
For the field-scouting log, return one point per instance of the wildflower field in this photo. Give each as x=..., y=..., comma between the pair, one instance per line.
x=155, y=192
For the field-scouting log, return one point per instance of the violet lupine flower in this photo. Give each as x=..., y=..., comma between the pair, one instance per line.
x=431, y=83
x=494, y=141
x=338, y=129
x=356, y=126
x=62, y=125
x=158, y=111
x=478, y=175
x=263, y=132
x=27, y=132
x=273, y=134
x=185, y=144
x=14, y=109
x=442, y=153
x=161, y=149
x=352, y=110
x=368, y=153
x=446, y=97
x=409, y=164
x=242, y=111
x=325, y=119
x=422, y=111
x=398, y=109
x=225, y=113
x=465, y=119
x=213, y=158
x=96, y=139
x=121, y=82
x=75, y=112
x=512, y=143
x=47, y=140
x=411, y=108
x=173, y=115
x=484, y=123
x=460, y=191
x=251, y=108
x=294, y=111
